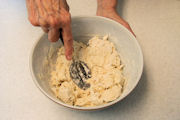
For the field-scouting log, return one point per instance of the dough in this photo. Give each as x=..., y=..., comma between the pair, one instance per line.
x=107, y=79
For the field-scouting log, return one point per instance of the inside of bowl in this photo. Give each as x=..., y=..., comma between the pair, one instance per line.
x=83, y=29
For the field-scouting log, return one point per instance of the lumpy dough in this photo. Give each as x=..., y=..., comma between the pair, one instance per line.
x=107, y=79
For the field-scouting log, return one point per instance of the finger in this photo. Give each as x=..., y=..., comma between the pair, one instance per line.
x=125, y=24
x=53, y=34
x=32, y=12
x=45, y=29
x=129, y=28
x=68, y=41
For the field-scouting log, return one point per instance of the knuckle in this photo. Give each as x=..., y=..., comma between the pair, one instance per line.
x=33, y=21
x=42, y=22
x=68, y=15
x=68, y=39
x=66, y=19
x=53, y=21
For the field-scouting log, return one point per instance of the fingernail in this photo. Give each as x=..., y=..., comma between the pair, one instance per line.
x=69, y=57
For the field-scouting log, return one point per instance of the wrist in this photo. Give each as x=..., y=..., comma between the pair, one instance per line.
x=107, y=4
x=108, y=10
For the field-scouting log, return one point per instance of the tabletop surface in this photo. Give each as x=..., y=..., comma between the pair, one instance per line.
x=156, y=24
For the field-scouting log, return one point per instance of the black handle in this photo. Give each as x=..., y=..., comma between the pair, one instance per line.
x=60, y=36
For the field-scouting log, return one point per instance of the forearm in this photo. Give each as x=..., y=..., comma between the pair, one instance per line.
x=107, y=4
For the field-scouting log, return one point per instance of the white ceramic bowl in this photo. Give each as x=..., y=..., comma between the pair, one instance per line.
x=83, y=28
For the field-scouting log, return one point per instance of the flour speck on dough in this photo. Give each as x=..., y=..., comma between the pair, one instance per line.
x=107, y=79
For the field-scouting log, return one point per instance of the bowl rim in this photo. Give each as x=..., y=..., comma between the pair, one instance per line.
x=94, y=107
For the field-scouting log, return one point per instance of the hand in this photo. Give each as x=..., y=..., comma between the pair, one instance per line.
x=107, y=8
x=52, y=15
